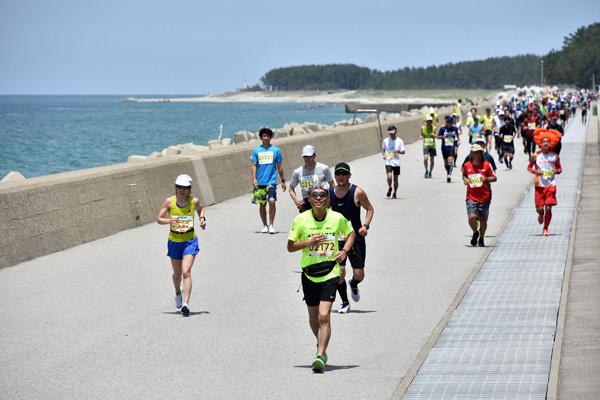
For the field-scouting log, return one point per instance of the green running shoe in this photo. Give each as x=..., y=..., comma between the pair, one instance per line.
x=318, y=364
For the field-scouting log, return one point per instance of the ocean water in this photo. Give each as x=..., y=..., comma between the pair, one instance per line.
x=42, y=135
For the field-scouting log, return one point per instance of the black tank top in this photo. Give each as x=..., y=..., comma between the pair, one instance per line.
x=348, y=209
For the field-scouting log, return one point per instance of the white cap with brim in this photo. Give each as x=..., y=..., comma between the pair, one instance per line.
x=429, y=118
x=308, y=150
x=479, y=141
x=183, y=180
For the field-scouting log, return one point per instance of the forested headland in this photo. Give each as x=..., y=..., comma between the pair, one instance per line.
x=574, y=65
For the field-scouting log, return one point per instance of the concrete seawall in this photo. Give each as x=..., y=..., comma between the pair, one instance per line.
x=46, y=214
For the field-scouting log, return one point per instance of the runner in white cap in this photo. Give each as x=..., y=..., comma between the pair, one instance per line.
x=311, y=172
x=183, y=243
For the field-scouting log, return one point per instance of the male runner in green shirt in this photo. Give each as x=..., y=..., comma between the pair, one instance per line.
x=316, y=233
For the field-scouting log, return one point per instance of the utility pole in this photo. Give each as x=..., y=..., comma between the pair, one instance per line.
x=542, y=73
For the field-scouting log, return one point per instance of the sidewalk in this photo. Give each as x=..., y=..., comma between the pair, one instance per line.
x=98, y=320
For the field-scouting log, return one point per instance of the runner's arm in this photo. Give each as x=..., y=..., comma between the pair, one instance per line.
x=298, y=203
x=364, y=202
x=255, y=182
x=342, y=253
x=200, y=211
x=161, y=220
x=280, y=170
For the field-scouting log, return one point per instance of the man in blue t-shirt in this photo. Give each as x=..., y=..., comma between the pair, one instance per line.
x=266, y=162
x=449, y=135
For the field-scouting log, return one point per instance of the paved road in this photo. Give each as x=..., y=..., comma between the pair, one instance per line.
x=98, y=320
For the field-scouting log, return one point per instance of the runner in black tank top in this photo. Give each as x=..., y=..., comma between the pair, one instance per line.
x=347, y=206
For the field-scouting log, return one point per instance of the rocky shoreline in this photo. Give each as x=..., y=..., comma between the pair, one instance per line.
x=307, y=128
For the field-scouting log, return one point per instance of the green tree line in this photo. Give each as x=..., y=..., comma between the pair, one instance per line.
x=574, y=64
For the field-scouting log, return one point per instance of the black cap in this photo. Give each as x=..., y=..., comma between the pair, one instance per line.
x=342, y=166
x=392, y=128
x=449, y=119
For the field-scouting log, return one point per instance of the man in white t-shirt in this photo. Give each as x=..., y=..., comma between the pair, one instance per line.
x=391, y=148
x=310, y=173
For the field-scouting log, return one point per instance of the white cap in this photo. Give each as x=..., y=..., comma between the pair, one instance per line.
x=183, y=180
x=308, y=150
x=431, y=110
x=479, y=140
x=500, y=112
x=429, y=118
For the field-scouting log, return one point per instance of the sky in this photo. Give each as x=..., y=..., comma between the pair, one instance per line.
x=187, y=47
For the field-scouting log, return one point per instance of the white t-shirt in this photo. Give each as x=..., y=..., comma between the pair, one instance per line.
x=389, y=146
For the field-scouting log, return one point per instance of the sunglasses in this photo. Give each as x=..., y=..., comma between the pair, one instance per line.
x=182, y=187
x=343, y=173
x=318, y=194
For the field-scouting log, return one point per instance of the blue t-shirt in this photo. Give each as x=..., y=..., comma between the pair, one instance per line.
x=266, y=164
x=449, y=143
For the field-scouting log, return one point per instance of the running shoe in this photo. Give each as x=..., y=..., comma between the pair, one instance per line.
x=426, y=174
x=429, y=174
x=546, y=233
x=265, y=229
x=389, y=193
x=318, y=364
x=185, y=310
x=354, y=292
x=474, y=239
x=271, y=230
x=449, y=178
x=394, y=195
x=540, y=218
x=324, y=355
x=481, y=244
x=178, y=300
x=344, y=308
x=500, y=158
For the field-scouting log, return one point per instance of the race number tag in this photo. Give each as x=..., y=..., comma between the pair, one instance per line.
x=508, y=138
x=391, y=154
x=184, y=224
x=325, y=249
x=265, y=157
x=476, y=136
x=448, y=142
x=531, y=126
x=428, y=141
x=548, y=174
x=306, y=181
x=475, y=180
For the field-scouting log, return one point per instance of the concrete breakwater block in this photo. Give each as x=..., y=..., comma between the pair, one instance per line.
x=13, y=176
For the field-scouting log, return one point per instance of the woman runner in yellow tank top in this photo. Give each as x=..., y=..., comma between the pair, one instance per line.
x=183, y=242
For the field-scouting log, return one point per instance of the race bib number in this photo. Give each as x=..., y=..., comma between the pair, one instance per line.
x=325, y=249
x=476, y=136
x=562, y=112
x=508, y=138
x=306, y=181
x=448, y=142
x=475, y=180
x=265, y=157
x=428, y=141
x=391, y=154
x=184, y=224
x=531, y=126
x=548, y=174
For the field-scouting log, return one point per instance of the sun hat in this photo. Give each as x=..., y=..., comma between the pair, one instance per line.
x=476, y=147
x=183, y=180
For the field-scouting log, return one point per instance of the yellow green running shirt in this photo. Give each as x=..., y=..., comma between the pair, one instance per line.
x=305, y=226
